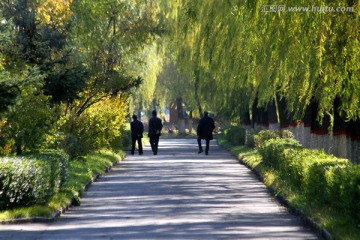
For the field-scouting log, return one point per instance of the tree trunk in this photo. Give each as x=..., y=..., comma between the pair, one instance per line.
x=181, y=120
x=339, y=133
x=284, y=115
x=306, y=139
x=179, y=108
x=272, y=116
x=254, y=114
x=263, y=118
x=173, y=114
x=320, y=137
x=18, y=149
x=354, y=130
x=245, y=120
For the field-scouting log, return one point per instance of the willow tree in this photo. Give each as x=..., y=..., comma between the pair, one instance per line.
x=148, y=63
x=298, y=56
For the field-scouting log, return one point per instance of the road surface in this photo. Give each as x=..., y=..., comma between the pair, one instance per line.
x=177, y=194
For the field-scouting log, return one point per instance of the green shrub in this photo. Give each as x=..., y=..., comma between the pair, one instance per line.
x=318, y=175
x=340, y=186
x=28, y=122
x=264, y=135
x=249, y=138
x=236, y=135
x=99, y=127
x=349, y=189
x=123, y=141
x=59, y=162
x=32, y=179
x=273, y=151
x=321, y=178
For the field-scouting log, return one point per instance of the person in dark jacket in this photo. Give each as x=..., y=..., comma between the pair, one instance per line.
x=155, y=126
x=204, y=131
x=137, y=129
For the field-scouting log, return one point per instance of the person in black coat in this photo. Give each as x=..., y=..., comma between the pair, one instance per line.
x=155, y=126
x=137, y=129
x=204, y=131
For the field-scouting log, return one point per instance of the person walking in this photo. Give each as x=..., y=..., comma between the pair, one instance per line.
x=137, y=129
x=155, y=126
x=204, y=131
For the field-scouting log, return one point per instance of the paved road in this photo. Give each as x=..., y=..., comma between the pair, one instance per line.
x=177, y=194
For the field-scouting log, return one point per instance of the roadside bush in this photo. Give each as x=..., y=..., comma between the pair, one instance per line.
x=27, y=123
x=99, y=126
x=345, y=189
x=264, y=135
x=318, y=178
x=322, y=178
x=123, y=141
x=32, y=179
x=236, y=135
x=79, y=136
x=273, y=151
x=59, y=163
x=337, y=184
x=249, y=138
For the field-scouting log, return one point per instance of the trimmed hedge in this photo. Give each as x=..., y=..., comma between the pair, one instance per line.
x=322, y=178
x=31, y=179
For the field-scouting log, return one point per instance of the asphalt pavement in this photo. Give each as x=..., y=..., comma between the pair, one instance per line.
x=177, y=194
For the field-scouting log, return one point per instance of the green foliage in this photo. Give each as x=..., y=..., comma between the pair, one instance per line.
x=240, y=50
x=28, y=122
x=124, y=141
x=59, y=162
x=78, y=139
x=263, y=135
x=41, y=44
x=322, y=178
x=32, y=179
x=115, y=38
x=27, y=212
x=326, y=188
x=272, y=151
x=100, y=126
x=250, y=134
x=9, y=81
x=236, y=135
x=147, y=65
x=65, y=84
x=9, y=91
x=78, y=174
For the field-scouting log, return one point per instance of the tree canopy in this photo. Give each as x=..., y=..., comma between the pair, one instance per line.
x=240, y=51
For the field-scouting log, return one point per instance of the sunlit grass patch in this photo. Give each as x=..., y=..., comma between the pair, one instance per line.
x=27, y=212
